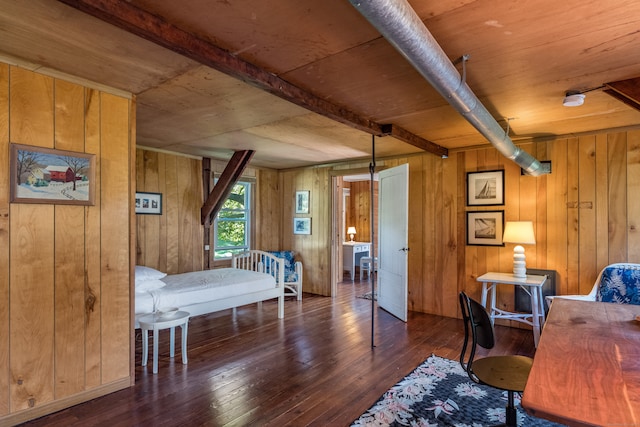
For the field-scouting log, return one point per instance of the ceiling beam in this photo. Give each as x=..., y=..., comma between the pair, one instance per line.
x=125, y=15
x=410, y=138
x=627, y=91
x=223, y=187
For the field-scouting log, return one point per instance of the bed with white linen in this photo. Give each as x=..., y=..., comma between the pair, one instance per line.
x=255, y=276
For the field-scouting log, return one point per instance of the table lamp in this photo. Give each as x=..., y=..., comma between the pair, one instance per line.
x=351, y=231
x=520, y=233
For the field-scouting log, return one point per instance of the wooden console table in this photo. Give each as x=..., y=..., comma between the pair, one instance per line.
x=586, y=370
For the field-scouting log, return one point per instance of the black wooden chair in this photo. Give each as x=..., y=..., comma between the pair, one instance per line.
x=507, y=373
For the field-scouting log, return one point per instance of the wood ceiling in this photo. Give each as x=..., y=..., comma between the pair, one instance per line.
x=309, y=82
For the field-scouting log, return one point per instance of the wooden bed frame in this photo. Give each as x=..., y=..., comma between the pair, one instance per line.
x=254, y=260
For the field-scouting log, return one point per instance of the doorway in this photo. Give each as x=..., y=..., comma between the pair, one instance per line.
x=352, y=209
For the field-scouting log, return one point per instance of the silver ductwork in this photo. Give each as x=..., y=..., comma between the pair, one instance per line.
x=401, y=26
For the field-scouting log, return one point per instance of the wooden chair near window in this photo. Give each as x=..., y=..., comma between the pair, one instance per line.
x=508, y=373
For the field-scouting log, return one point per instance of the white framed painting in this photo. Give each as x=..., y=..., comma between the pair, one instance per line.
x=301, y=225
x=302, y=202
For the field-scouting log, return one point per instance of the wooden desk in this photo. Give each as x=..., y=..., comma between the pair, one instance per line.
x=531, y=284
x=586, y=370
x=351, y=254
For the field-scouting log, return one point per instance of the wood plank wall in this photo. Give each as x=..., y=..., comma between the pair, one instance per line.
x=584, y=216
x=64, y=269
x=268, y=211
x=171, y=242
x=313, y=250
x=358, y=210
x=583, y=212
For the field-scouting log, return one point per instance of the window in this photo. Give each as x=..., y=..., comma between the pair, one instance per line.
x=232, y=225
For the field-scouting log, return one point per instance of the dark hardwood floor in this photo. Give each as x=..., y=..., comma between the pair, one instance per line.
x=314, y=367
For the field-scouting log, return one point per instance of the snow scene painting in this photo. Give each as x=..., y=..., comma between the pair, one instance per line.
x=43, y=175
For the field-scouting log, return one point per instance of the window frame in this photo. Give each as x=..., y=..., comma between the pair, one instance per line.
x=248, y=220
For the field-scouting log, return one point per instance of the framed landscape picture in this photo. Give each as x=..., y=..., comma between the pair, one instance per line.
x=45, y=175
x=485, y=228
x=149, y=203
x=485, y=188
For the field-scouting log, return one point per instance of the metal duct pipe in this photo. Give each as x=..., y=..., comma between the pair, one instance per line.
x=401, y=26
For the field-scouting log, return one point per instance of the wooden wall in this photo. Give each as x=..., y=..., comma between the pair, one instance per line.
x=313, y=250
x=65, y=314
x=171, y=242
x=268, y=227
x=358, y=210
x=585, y=216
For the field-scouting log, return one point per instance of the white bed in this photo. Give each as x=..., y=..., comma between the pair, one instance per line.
x=254, y=277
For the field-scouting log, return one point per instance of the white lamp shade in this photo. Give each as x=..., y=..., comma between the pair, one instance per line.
x=520, y=232
x=351, y=230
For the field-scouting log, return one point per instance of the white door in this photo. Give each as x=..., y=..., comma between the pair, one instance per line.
x=392, y=238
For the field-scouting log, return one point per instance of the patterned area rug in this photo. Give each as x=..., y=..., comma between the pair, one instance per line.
x=439, y=393
x=368, y=296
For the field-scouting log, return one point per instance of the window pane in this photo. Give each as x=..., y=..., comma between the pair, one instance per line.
x=232, y=226
x=230, y=233
x=237, y=199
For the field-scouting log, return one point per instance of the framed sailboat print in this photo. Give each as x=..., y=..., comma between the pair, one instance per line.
x=485, y=188
x=485, y=228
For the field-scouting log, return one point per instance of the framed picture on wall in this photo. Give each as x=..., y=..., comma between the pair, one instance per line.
x=45, y=175
x=485, y=228
x=485, y=188
x=302, y=202
x=301, y=225
x=149, y=203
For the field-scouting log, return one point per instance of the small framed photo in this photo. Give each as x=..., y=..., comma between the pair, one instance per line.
x=302, y=202
x=301, y=225
x=149, y=203
x=485, y=188
x=45, y=175
x=485, y=228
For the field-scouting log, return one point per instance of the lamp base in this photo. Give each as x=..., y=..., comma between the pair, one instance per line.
x=519, y=263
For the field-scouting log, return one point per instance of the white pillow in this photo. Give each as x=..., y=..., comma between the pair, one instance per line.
x=147, y=273
x=149, y=285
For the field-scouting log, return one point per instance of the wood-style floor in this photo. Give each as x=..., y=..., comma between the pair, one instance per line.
x=314, y=367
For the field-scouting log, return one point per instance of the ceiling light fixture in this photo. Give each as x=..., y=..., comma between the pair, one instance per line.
x=573, y=99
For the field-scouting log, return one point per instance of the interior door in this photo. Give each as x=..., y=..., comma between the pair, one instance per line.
x=392, y=237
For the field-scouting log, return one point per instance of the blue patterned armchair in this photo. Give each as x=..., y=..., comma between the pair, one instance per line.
x=292, y=273
x=617, y=283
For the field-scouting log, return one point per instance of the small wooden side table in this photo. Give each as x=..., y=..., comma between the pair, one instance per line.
x=156, y=322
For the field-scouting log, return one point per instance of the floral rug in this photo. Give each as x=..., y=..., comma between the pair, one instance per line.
x=439, y=393
x=368, y=296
